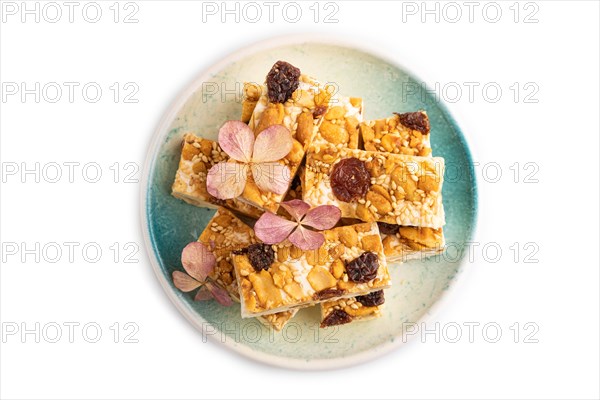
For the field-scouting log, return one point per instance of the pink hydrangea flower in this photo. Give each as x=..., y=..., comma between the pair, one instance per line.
x=271, y=228
x=260, y=156
x=199, y=262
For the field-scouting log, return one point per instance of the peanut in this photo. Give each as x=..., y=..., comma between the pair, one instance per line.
x=381, y=191
x=279, y=279
x=283, y=254
x=356, y=102
x=305, y=128
x=333, y=133
x=199, y=167
x=389, y=143
x=265, y=289
x=427, y=236
x=297, y=153
x=337, y=251
x=323, y=96
x=222, y=219
x=331, y=235
x=379, y=127
x=382, y=205
x=336, y=112
x=243, y=264
x=348, y=236
x=303, y=98
x=352, y=128
x=363, y=227
x=401, y=177
x=317, y=257
x=424, y=152
x=375, y=168
x=338, y=268
x=206, y=147
x=371, y=243
x=388, y=247
x=272, y=115
x=360, y=311
x=294, y=290
x=252, y=192
x=295, y=252
x=188, y=152
x=320, y=279
x=364, y=213
x=428, y=183
x=367, y=133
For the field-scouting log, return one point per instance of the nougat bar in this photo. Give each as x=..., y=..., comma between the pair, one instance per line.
x=198, y=155
x=407, y=133
x=298, y=115
x=403, y=190
x=349, y=263
x=223, y=234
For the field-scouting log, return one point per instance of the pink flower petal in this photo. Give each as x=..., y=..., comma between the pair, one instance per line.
x=271, y=177
x=272, y=144
x=220, y=294
x=237, y=140
x=272, y=229
x=322, y=217
x=296, y=208
x=184, y=282
x=306, y=239
x=203, y=294
x=198, y=260
x=227, y=180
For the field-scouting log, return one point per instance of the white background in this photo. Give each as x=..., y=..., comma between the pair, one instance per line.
x=161, y=54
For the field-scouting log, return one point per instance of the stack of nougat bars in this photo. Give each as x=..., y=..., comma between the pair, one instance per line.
x=399, y=218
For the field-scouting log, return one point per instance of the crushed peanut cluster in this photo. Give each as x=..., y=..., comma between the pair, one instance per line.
x=298, y=278
x=198, y=155
x=405, y=190
x=340, y=123
x=393, y=136
x=224, y=234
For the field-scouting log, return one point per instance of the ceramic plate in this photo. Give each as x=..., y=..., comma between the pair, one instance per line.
x=169, y=224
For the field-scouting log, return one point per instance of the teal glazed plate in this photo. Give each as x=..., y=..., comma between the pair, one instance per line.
x=168, y=224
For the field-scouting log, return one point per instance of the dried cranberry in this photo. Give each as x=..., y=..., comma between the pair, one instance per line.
x=337, y=317
x=417, y=121
x=319, y=110
x=328, y=294
x=282, y=81
x=350, y=179
x=261, y=256
x=372, y=299
x=363, y=268
x=388, y=229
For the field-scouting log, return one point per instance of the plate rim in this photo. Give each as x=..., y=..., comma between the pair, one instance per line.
x=197, y=320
